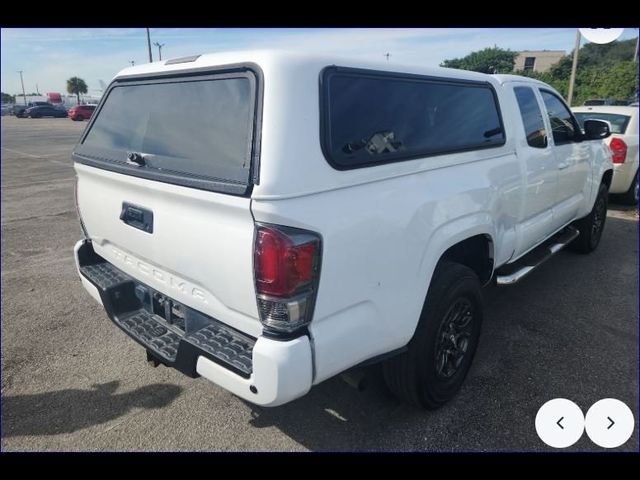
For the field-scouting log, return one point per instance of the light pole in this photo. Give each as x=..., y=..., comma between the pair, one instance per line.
x=159, y=45
x=574, y=67
x=149, y=46
x=24, y=95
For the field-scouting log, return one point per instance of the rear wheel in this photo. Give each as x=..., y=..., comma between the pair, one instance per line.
x=78, y=118
x=592, y=226
x=439, y=355
x=631, y=197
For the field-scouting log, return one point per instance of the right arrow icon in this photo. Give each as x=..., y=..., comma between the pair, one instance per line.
x=611, y=424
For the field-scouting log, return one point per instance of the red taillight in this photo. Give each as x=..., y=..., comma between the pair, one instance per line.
x=618, y=149
x=283, y=267
x=287, y=273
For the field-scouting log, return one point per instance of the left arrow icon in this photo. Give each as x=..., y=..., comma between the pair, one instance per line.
x=560, y=423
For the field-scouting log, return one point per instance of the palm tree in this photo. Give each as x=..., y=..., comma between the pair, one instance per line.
x=76, y=86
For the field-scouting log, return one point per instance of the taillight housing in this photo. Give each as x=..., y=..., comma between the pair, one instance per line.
x=286, y=264
x=618, y=150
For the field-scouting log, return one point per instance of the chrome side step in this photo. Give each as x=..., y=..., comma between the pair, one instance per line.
x=516, y=271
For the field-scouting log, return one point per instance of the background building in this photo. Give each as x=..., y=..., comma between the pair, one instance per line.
x=538, y=60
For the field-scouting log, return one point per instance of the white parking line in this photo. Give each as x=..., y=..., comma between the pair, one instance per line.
x=623, y=214
x=40, y=157
x=39, y=182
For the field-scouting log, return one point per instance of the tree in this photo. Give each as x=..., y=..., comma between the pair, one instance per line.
x=6, y=98
x=604, y=71
x=488, y=60
x=76, y=86
x=594, y=54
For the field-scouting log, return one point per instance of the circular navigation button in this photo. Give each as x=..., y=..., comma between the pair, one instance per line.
x=601, y=35
x=559, y=423
x=609, y=423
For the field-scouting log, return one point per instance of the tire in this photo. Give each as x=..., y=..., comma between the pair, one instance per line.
x=631, y=197
x=592, y=226
x=426, y=375
x=79, y=118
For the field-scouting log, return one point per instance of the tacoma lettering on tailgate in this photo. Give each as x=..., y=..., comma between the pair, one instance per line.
x=163, y=277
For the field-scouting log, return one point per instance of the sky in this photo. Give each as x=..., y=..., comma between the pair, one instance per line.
x=49, y=56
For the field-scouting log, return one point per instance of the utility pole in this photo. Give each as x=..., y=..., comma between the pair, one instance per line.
x=159, y=45
x=37, y=89
x=635, y=55
x=574, y=67
x=24, y=95
x=149, y=46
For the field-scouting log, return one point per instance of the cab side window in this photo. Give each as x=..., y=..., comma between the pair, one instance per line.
x=531, y=117
x=563, y=125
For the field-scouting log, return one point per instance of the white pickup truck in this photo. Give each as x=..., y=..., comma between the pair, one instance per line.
x=268, y=220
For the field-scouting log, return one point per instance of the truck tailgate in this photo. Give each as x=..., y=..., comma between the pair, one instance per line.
x=200, y=249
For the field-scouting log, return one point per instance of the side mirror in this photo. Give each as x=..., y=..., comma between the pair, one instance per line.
x=596, y=129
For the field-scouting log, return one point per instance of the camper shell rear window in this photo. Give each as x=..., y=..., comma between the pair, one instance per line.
x=193, y=128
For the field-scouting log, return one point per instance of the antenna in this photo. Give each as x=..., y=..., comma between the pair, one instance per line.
x=159, y=45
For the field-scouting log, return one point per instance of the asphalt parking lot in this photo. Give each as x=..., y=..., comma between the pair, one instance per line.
x=71, y=380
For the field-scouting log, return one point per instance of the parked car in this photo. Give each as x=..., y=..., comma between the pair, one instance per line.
x=320, y=213
x=6, y=109
x=19, y=110
x=45, y=111
x=623, y=144
x=605, y=101
x=81, y=112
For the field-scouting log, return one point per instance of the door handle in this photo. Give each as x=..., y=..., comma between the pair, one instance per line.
x=137, y=217
x=562, y=166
